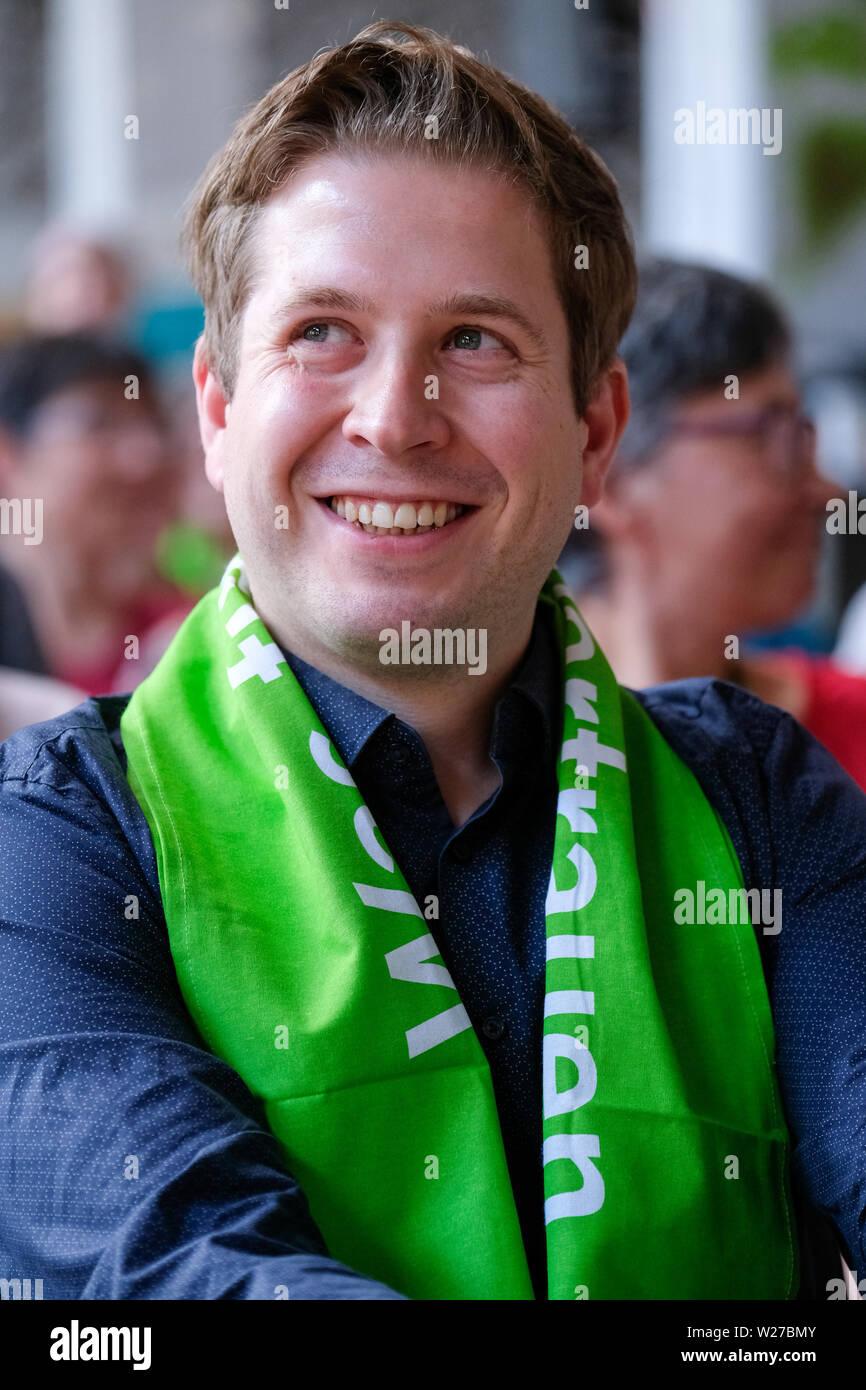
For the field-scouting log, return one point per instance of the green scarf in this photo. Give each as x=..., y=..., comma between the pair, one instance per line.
x=308, y=966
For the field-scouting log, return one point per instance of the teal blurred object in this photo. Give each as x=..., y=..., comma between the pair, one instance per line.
x=167, y=329
x=812, y=636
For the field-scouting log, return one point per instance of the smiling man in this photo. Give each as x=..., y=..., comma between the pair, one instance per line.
x=363, y=300
x=333, y=977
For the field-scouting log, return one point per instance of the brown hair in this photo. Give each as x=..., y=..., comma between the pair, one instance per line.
x=381, y=91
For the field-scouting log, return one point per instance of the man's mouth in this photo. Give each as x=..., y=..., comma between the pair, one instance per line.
x=379, y=518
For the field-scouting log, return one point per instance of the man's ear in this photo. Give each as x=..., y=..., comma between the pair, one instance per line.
x=630, y=499
x=213, y=411
x=604, y=420
x=612, y=513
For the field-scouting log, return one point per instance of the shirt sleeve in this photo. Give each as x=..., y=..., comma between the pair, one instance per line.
x=134, y=1164
x=817, y=817
x=798, y=823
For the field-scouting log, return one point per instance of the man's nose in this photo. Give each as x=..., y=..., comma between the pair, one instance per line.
x=396, y=406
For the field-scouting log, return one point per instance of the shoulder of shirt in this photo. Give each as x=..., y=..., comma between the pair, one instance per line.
x=712, y=718
x=73, y=767
x=78, y=749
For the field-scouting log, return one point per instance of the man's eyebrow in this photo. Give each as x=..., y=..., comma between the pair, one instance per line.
x=489, y=306
x=322, y=297
x=469, y=305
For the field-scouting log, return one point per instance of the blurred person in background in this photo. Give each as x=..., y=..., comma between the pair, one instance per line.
x=19, y=646
x=25, y=697
x=77, y=283
x=76, y=441
x=850, y=649
x=713, y=513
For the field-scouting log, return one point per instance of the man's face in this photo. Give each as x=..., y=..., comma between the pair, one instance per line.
x=403, y=345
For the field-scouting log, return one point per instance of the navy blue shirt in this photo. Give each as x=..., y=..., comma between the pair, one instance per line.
x=136, y=1164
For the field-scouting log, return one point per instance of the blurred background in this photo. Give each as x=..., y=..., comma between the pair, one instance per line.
x=109, y=111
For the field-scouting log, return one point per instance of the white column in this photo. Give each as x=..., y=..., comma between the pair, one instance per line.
x=89, y=92
x=705, y=202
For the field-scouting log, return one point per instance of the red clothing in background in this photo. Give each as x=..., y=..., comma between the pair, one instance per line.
x=835, y=710
x=116, y=674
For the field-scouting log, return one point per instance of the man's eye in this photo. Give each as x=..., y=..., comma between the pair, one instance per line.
x=470, y=339
x=321, y=333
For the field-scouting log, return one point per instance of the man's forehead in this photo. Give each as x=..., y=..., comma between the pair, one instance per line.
x=340, y=235
x=401, y=205
x=338, y=181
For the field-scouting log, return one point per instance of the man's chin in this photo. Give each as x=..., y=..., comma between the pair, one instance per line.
x=365, y=636
x=363, y=611
x=359, y=634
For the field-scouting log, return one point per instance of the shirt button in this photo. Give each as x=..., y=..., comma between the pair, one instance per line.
x=493, y=1028
x=461, y=851
x=400, y=754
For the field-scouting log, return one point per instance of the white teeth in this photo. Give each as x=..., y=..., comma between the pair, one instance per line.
x=406, y=518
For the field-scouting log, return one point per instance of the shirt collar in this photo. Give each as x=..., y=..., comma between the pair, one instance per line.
x=352, y=720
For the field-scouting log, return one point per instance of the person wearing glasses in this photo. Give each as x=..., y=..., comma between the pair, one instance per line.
x=711, y=522
x=85, y=451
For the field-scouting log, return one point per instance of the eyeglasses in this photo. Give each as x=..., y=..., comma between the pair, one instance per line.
x=64, y=420
x=785, y=435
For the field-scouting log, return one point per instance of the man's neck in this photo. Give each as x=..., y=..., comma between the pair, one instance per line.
x=450, y=710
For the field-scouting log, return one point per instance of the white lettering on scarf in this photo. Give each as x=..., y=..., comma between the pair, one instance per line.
x=575, y=804
x=410, y=962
